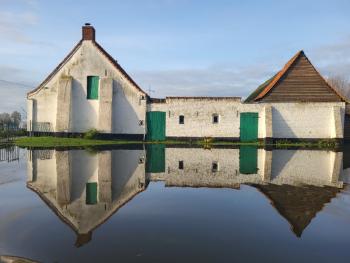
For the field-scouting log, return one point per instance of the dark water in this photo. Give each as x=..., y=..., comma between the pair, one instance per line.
x=175, y=205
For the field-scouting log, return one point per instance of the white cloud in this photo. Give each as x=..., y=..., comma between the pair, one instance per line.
x=333, y=59
x=13, y=25
x=212, y=81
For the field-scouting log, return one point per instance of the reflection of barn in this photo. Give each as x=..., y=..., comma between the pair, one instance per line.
x=85, y=188
x=298, y=205
x=298, y=183
x=244, y=165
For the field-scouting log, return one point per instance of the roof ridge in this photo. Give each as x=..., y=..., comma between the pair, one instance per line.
x=279, y=75
x=329, y=85
x=116, y=64
x=66, y=58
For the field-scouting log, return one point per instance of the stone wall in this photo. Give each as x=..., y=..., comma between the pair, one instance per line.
x=276, y=120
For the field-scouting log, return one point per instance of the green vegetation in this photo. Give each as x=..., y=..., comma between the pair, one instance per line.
x=91, y=134
x=66, y=142
x=42, y=142
x=323, y=144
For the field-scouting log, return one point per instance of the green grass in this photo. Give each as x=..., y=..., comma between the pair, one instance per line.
x=45, y=142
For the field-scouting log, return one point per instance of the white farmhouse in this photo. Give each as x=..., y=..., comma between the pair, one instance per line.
x=90, y=90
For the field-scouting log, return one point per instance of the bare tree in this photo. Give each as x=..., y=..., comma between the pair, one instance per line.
x=16, y=118
x=340, y=83
x=5, y=118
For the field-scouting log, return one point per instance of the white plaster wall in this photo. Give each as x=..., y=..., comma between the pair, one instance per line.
x=289, y=120
x=128, y=109
x=298, y=167
x=198, y=117
x=304, y=120
x=44, y=107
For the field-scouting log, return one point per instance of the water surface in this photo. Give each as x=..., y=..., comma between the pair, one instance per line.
x=175, y=205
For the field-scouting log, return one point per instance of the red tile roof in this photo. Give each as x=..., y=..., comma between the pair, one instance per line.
x=263, y=89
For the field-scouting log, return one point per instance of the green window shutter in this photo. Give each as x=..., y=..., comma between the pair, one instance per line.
x=155, y=159
x=156, y=125
x=92, y=87
x=248, y=160
x=249, y=126
x=91, y=193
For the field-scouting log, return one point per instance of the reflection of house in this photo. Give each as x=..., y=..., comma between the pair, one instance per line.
x=89, y=89
x=85, y=189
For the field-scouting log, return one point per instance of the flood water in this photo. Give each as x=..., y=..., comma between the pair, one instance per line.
x=175, y=205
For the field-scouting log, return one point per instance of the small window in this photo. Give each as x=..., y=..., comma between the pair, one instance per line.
x=141, y=122
x=181, y=165
x=181, y=119
x=92, y=87
x=215, y=167
x=215, y=118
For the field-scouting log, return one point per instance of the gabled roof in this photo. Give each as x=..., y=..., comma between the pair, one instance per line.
x=72, y=52
x=267, y=86
x=52, y=74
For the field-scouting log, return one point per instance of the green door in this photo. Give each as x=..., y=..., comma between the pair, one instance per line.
x=248, y=160
x=249, y=126
x=155, y=125
x=91, y=193
x=92, y=87
x=155, y=159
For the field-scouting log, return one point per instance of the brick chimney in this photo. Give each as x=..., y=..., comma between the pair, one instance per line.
x=88, y=32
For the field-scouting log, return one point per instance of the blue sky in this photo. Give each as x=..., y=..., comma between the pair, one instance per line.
x=174, y=47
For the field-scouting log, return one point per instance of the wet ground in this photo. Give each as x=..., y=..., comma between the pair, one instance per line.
x=175, y=205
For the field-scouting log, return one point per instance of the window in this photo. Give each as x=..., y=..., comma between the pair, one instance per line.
x=181, y=165
x=92, y=87
x=215, y=167
x=141, y=122
x=181, y=119
x=215, y=118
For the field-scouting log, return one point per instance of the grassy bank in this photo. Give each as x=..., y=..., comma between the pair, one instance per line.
x=42, y=142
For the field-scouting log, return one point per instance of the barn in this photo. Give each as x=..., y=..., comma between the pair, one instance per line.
x=90, y=90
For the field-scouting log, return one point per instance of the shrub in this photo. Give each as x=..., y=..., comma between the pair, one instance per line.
x=91, y=134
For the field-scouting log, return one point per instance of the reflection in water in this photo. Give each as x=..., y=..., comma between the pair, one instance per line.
x=13, y=259
x=84, y=188
x=9, y=154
